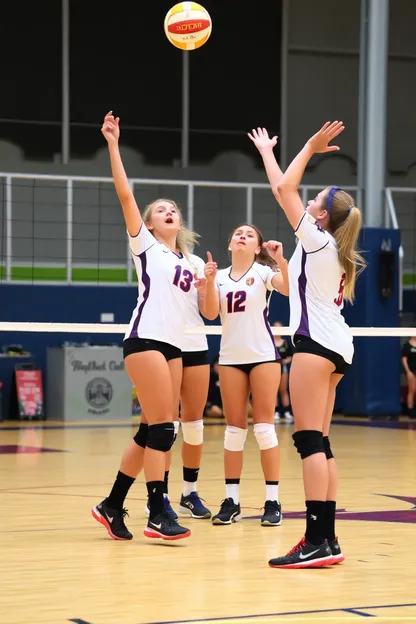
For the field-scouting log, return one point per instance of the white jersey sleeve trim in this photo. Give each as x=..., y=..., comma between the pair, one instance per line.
x=267, y=274
x=311, y=235
x=142, y=241
x=320, y=248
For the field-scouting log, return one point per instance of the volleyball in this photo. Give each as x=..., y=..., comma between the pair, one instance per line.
x=188, y=25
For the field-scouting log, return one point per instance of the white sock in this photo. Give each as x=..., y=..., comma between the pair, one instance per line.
x=189, y=487
x=233, y=491
x=272, y=492
x=165, y=495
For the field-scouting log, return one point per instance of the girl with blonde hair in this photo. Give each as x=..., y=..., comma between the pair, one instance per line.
x=322, y=274
x=167, y=284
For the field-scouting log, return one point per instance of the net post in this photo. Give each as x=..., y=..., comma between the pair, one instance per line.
x=249, y=204
x=190, y=202
x=69, y=230
x=8, y=229
x=304, y=196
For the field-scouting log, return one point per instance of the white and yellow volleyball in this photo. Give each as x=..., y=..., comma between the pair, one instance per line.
x=188, y=25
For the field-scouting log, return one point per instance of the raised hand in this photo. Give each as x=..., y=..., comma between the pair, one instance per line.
x=274, y=249
x=110, y=128
x=320, y=141
x=261, y=139
x=210, y=269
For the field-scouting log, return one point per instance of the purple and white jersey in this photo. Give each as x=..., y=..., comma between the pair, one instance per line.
x=166, y=290
x=316, y=289
x=244, y=307
x=194, y=342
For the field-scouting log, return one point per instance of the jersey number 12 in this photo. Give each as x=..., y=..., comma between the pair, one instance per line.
x=236, y=301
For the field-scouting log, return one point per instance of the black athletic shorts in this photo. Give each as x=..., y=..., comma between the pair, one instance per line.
x=304, y=344
x=247, y=368
x=137, y=345
x=194, y=358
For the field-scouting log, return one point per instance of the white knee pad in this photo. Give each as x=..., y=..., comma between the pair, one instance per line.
x=193, y=432
x=234, y=438
x=266, y=436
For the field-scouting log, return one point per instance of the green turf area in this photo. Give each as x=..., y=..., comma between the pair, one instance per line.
x=58, y=274
x=409, y=279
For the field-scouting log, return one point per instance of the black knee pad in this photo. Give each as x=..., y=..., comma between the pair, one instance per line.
x=308, y=442
x=141, y=436
x=160, y=437
x=327, y=446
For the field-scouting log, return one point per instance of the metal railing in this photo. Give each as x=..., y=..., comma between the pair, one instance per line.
x=70, y=181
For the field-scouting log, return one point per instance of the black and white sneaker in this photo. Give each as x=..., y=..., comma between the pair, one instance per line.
x=112, y=520
x=304, y=555
x=193, y=506
x=272, y=514
x=337, y=556
x=228, y=513
x=165, y=528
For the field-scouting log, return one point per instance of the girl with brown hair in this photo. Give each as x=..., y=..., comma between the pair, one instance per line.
x=248, y=361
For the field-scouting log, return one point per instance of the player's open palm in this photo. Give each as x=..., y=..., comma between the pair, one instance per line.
x=261, y=139
x=111, y=128
x=329, y=131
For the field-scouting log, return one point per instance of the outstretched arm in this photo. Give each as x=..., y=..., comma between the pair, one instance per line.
x=287, y=189
x=132, y=217
x=265, y=145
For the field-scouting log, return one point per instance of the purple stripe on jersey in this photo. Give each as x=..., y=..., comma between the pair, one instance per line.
x=146, y=284
x=266, y=322
x=304, y=320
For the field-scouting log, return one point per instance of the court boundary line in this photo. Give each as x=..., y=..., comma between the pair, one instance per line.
x=357, y=612
x=236, y=618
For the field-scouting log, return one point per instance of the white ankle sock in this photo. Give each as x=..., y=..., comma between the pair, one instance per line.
x=233, y=491
x=189, y=487
x=272, y=492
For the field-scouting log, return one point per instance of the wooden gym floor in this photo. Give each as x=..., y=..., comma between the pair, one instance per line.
x=58, y=565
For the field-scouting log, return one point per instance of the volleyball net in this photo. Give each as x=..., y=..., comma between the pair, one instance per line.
x=75, y=371
x=64, y=255
x=208, y=330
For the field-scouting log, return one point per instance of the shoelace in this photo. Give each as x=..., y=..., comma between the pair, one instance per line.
x=271, y=506
x=225, y=504
x=298, y=546
x=198, y=497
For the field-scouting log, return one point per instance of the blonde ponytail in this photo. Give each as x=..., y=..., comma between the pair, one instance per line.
x=345, y=223
x=346, y=237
